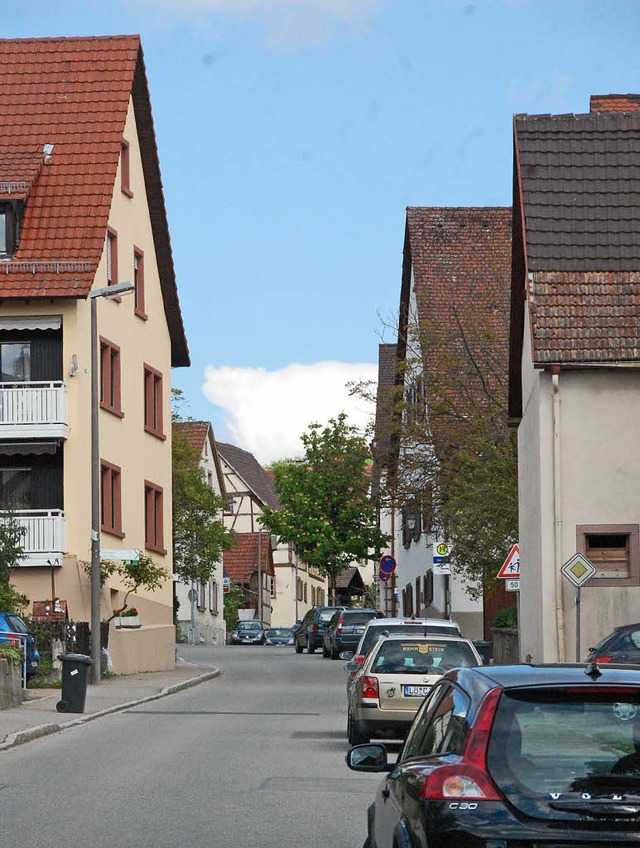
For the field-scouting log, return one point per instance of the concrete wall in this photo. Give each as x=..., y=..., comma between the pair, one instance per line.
x=11, y=692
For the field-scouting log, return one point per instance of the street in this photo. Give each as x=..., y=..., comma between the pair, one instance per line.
x=254, y=757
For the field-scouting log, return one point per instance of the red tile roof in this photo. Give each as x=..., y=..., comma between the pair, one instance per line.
x=615, y=103
x=195, y=432
x=73, y=93
x=242, y=560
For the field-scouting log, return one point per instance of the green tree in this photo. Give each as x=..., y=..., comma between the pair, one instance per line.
x=233, y=600
x=11, y=536
x=326, y=508
x=199, y=534
x=141, y=573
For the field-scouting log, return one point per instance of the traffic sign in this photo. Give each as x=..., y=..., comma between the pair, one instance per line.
x=512, y=585
x=578, y=570
x=120, y=554
x=388, y=564
x=384, y=576
x=511, y=566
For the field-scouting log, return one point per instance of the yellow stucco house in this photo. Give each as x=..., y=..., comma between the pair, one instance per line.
x=81, y=210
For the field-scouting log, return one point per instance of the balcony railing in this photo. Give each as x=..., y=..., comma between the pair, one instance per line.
x=33, y=410
x=45, y=536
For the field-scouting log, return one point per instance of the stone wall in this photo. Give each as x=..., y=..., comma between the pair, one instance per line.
x=11, y=692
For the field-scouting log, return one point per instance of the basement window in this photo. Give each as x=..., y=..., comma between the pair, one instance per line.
x=614, y=550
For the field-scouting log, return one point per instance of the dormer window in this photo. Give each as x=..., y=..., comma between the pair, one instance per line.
x=10, y=216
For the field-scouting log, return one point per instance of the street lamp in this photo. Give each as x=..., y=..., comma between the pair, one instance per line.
x=110, y=291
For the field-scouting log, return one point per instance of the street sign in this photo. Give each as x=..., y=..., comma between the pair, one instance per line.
x=117, y=553
x=441, y=567
x=512, y=585
x=388, y=564
x=511, y=566
x=226, y=585
x=384, y=576
x=578, y=570
x=441, y=554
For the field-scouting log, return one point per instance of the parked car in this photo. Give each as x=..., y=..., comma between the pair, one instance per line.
x=521, y=755
x=395, y=677
x=621, y=646
x=14, y=631
x=279, y=636
x=390, y=626
x=311, y=631
x=345, y=629
x=248, y=633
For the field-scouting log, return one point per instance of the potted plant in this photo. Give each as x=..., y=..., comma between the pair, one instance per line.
x=127, y=617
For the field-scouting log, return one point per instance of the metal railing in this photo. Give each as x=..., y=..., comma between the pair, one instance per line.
x=31, y=405
x=20, y=638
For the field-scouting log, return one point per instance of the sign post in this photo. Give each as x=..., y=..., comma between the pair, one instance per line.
x=578, y=570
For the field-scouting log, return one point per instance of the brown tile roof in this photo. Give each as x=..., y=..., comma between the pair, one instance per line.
x=195, y=432
x=580, y=178
x=460, y=262
x=350, y=578
x=241, y=561
x=247, y=467
x=73, y=93
x=615, y=103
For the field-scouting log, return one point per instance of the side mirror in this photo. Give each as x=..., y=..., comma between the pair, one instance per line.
x=367, y=758
x=351, y=666
x=345, y=655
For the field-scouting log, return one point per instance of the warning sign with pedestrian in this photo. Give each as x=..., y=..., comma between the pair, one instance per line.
x=511, y=566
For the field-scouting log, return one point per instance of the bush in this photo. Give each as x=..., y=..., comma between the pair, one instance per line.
x=12, y=653
x=506, y=617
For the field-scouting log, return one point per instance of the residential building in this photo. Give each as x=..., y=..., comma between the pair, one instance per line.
x=82, y=209
x=453, y=320
x=200, y=606
x=295, y=588
x=575, y=370
x=249, y=564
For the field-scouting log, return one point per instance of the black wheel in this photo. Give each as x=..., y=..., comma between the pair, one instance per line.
x=310, y=650
x=298, y=648
x=355, y=733
x=326, y=653
x=335, y=653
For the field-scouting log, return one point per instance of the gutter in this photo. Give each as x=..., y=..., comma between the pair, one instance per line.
x=557, y=513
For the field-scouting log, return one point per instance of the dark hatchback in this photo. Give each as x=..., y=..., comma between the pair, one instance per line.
x=621, y=646
x=310, y=633
x=345, y=629
x=514, y=757
x=248, y=633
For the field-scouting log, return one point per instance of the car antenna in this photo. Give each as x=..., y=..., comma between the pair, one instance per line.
x=593, y=670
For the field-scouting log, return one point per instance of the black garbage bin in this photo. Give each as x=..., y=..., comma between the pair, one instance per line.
x=75, y=676
x=484, y=649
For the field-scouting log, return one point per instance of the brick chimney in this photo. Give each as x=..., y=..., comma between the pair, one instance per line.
x=615, y=103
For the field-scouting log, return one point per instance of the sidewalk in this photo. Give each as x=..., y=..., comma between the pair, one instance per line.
x=38, y=716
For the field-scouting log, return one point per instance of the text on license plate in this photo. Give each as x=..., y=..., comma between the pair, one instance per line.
x=415, y=691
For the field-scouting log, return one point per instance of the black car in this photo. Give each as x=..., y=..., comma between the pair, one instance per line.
x=279, y=636
x=514, y=757
x=621, y=646
x=310, y=633
x=345, y=629
x=248, y=632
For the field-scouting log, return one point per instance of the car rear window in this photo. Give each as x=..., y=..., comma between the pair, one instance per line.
x=358, y=617
x=326, y=615
x=562, y=743
x=398, y=656
x=375, y=630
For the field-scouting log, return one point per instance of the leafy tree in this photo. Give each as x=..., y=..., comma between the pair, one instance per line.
x=233, y=600
x=142, y=573
x=11, y=536
x=199, y=534
x=326, y=508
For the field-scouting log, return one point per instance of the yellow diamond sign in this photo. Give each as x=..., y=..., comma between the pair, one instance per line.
x=578, y=570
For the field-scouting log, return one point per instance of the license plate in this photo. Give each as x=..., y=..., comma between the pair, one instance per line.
x=415, y=691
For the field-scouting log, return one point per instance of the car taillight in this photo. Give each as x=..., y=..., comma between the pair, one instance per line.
x=603, y=659
x=369, y=688
x=468, y=778
x=314, y=628
x=359, y=659
x=339, y=627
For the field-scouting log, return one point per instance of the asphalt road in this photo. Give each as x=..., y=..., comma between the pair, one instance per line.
x=252, y=758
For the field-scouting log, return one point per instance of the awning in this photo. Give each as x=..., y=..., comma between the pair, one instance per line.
x=32, y=446
x=31, y=322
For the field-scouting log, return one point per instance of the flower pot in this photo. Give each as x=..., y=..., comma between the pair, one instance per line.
x=127, y=621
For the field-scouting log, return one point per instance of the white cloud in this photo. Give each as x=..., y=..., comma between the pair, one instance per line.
x=285, y=21
x=266, y=412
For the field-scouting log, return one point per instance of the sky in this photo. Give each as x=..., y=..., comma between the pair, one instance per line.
x=293, y=134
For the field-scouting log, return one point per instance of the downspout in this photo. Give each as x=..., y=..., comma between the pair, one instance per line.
x=557, y=512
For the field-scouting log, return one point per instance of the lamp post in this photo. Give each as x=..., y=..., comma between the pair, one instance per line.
x=109, y=291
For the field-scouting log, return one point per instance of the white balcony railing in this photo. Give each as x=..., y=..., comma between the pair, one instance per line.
x=33, y=410
x=45, y=537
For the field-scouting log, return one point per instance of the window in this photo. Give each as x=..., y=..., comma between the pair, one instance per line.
x=418, y=598
x=15, y=488
x=304, y=593
x=441, y=727
x=112, y=257
x=614, y=549
x=15, y=362
x=213, y=596
x=153, y=518
x=407, y=600
x=427, y=588
x=138, y=282
x=299, y=589
x=10, y=217
x=202, y=596
x=110, y=499
x=110, y=377
x=124, y=169
x=153, y=401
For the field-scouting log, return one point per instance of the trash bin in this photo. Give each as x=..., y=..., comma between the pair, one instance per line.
x=75, y=676
x=484, y=649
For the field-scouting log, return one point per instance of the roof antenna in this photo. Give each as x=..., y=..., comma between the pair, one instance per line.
x=593, y=670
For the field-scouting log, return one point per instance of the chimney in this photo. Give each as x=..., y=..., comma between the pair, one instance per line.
x=615, y=103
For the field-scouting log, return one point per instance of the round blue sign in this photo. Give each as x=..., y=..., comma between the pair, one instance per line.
x=388, y=564
x=384, y=576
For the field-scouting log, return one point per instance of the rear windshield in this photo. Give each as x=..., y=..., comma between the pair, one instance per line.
x=248, y=625
x=16, y=625
x=327, y=614
x=374, y=630
x=412, y=657
x=562, y=742
x=358, y=617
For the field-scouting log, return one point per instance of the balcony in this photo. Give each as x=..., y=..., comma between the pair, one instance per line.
x=45, y=538
x=33, y=410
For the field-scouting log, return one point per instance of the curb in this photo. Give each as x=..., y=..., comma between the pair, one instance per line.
x=20, y=737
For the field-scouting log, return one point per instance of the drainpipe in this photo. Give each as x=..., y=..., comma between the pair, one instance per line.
x=557, y=512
